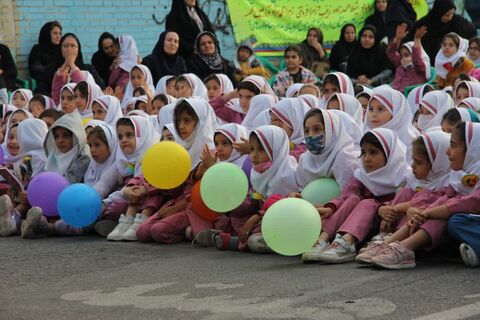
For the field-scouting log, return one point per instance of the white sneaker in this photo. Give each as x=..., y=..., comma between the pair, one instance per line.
x=469, y=256
x=124, y=223
x=339, y=251
x=131, y=233
x=7, y=228
x=256, y=243
x=312, y=254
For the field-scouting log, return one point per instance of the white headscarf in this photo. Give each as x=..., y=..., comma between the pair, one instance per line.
x=165, y=115
x=425, y=58
x=310, y=100
x=472, y=103
x=262, y=119
x=94, y=123
x=234, y=132
x=441, y=61
x=6, y=108
x=292, y=90
x=339, y=158
x=96, y=170
x=415, y=96
x=198, y=88
x=349, y=105
x=49, y=102
x=94, y=91
x=344, y=82
x=366, y=91
x=226, y=86
x=280, y=177
x=258, y=104
x=351, y=127
x=162, y=85
x=437, y=103
x=112, y=107
x=472, y=87
x=129, y=90
x=202, y=134
x=466, y=115
x=145, y=137
x=401, y=122
x=7, y=156
x=27, y=95
x=310, y=85
x=260, y=83
x=292, y=111
x=31, y=134
x=59, y=162
x=471, y=165
x=128, y=52
x=389, y=178
x=436, y=142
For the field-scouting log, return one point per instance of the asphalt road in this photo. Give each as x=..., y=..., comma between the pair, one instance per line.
x=91, y=278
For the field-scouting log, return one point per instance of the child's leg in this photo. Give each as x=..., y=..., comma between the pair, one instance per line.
x=144, y=229
x=131, y=233
x=417, y=240
x=399, y=235
x=331, y=224
x=466, y=228
x=171, y=229
x=124, y=224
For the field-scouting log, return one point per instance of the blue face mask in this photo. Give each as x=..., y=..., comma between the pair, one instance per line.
x=315, y=144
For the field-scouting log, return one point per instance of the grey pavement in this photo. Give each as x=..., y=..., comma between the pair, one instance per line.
x=91, y=278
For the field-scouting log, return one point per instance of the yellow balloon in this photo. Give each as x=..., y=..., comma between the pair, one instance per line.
x=85, y=121
x=166, y=165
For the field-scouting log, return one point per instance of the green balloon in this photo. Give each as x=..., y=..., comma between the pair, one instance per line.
x=321, y=191
x=224, y=187
x=291, y=226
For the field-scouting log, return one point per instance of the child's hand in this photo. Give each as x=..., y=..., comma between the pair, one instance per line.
x=244, y=231
x=22, y=196
x=119, y=93
x=108, y=91
x=324, y=212
x=402, y=31
x=416, y=217
x=420, y=32
x=242, y=147
x=295, y=195
x=387, y=213
x=385, y=227
x=165, y=212
x=208, y=157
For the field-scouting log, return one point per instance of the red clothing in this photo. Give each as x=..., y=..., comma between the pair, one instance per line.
x=412, y=75
x=60, y=80
x=227, y=114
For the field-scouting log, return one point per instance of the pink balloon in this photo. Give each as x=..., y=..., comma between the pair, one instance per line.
x=43, y=192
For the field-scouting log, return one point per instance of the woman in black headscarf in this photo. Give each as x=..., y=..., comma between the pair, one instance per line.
x=187, y=20
x=378, y=18
x=42, y=58
x=440, y=21
x=103, y=59
x=342, y=48
x=208, y=60
x=312, y=50
x=398, y=12
x=368, y=63
x=164, y=59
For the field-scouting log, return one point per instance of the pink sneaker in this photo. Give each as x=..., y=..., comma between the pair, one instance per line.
x=395, y=256
x=373, y=249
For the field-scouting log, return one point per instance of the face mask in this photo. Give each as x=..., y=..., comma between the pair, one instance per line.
x=315, y=144
x=262, y=167
x=424, y=121
x=406, y=62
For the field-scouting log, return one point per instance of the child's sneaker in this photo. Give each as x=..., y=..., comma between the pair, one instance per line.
x=381, y=237
x=205, y=237
x=124, y=223
x=104, y=227
x=313, y=254
x=33, y=223
x=340, y=251
x=6, y=207
x=370, y=251
x=131, y=233
x=469, y=256
x=256, y=243
x=395, y=256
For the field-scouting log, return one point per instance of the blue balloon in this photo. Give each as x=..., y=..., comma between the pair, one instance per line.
x=79, y=205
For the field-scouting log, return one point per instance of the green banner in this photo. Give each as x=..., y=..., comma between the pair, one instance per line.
x=276, y=23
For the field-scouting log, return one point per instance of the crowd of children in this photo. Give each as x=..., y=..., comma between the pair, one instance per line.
x=408, y=168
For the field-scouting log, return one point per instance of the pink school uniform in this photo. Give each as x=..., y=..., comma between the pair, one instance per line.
x=172, y=228
x=356, y=208
x=120, y=75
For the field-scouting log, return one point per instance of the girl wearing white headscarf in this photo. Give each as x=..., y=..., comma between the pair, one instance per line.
x=471, y=103
x=416, y=95
x=432, y=108
x=288, y=114
x=449, y=64
x=401, y=118
x=128, y=59
x=20, y=98
x=466, y=89
x=146, y=82
x=162, y=86
x=112, y=110
x=347, y=104
x=311, y=100
x=333, y=157
x=336, y=82
x=258, y=104
x=293, y=90
x=352, y=215
x=234, y=133
x=8, y=158
x=88, y=91
x=31, y=134
x=196, y=85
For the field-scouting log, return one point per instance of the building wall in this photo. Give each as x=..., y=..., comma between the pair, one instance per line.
x=89, y=18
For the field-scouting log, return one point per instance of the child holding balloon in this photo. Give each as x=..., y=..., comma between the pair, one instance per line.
x=351, y=216
x=194, y=123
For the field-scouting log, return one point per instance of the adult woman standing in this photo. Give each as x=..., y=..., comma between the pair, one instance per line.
x=165, y=59
x=208, y=60
x=187, y=20
x=104, y=59
x=42, y=58
x=313, y=54
x=342, y=48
